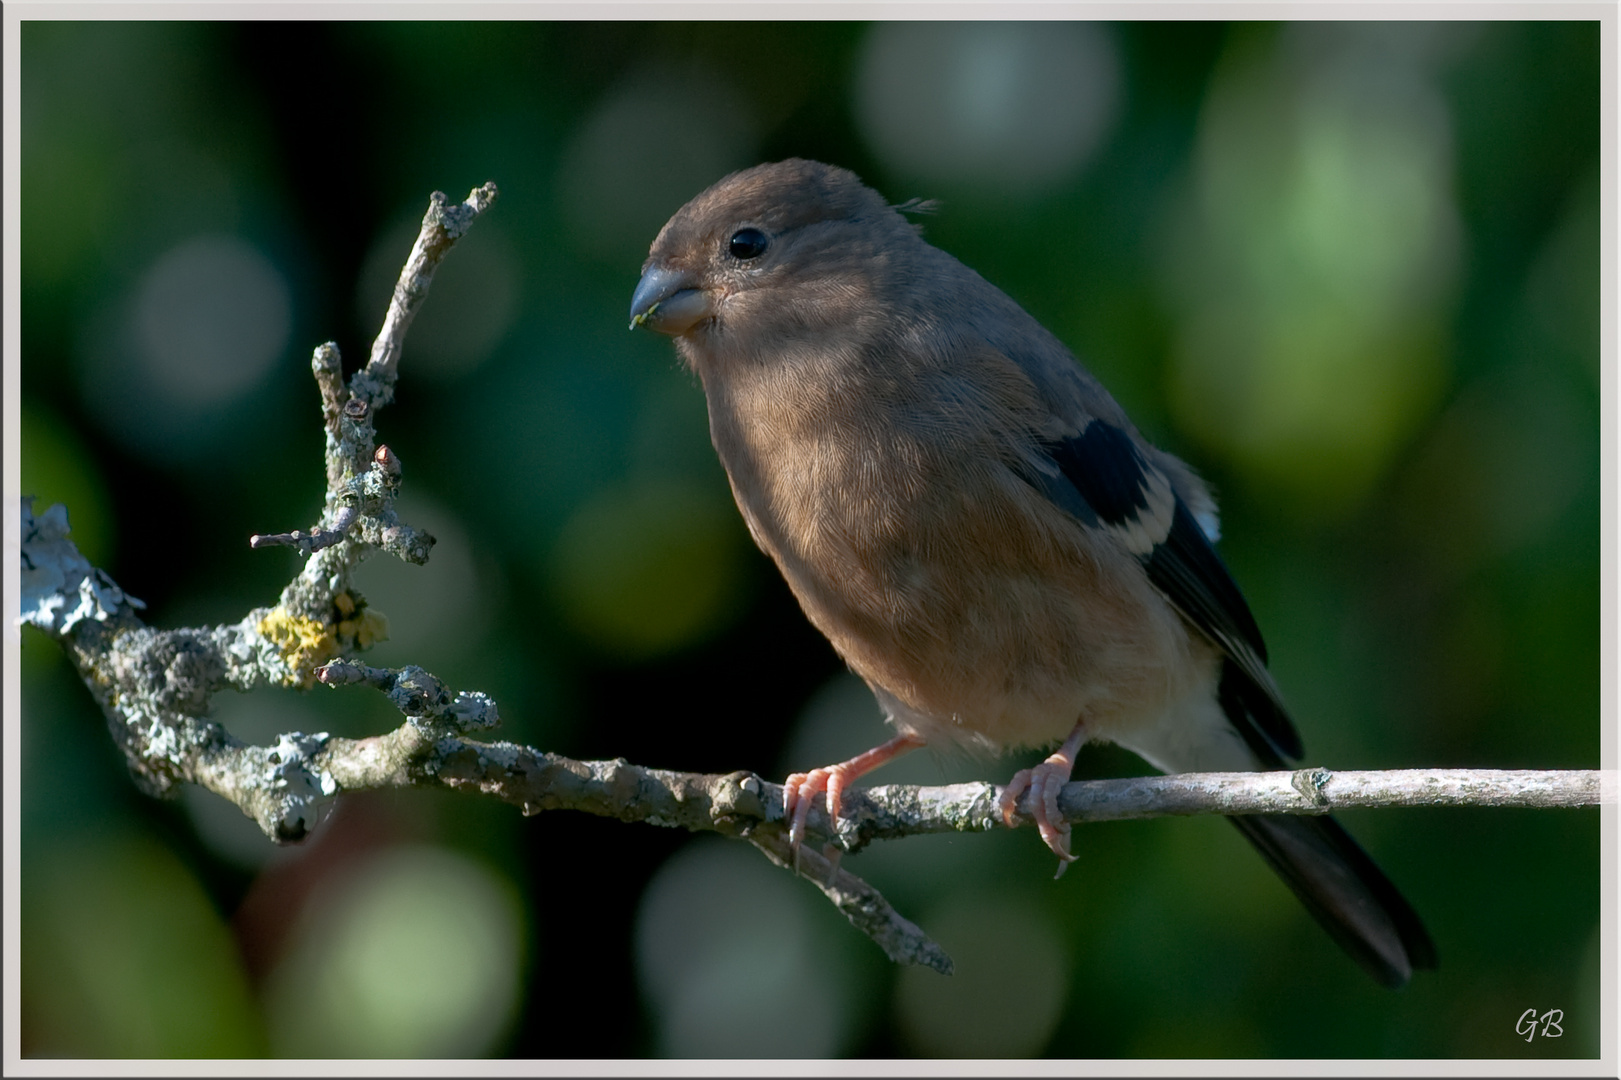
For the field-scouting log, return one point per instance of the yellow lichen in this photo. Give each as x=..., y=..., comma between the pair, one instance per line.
x=367, y=630
x=306, y=643
x=303, y=643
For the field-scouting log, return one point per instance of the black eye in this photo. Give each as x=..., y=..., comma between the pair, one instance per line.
x=747, y=243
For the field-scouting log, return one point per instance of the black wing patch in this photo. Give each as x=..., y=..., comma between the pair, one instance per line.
x=1106, y=469
x=1119, y=490
x=1105, y=482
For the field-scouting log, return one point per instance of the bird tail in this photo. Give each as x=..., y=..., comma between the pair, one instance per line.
x=1333, y=877
x=1345, y=892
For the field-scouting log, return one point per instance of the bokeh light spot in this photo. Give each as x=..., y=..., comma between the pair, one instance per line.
x=211, y=316
x=649, y=146
x=1313, y=267
x=186, y=359
x=728, y=955
x=648, y=568
x=1018, y=107
x=413, y=953
x=124, y=956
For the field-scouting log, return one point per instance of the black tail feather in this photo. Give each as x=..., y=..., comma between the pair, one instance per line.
x=1345, y=892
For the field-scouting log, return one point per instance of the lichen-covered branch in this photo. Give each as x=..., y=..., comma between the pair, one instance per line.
x=155, y=688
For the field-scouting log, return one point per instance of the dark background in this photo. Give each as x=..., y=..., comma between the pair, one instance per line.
x=1349, y=271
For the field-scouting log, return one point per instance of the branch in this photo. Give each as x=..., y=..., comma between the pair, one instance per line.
x=155, y=689
x=155, y=686
x=283, y=787
x=441, y=228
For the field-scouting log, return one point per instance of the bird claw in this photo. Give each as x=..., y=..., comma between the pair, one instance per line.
x=799, y=793
x=1044, y=782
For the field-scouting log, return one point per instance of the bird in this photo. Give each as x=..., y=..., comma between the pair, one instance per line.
x=976, y=525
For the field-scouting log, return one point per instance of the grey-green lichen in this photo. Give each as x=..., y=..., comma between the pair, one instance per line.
x=59, y=587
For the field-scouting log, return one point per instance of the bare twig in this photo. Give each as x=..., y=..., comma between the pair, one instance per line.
x=308, y=543
x=442, y=227
x=361, y=482
x=900, y=938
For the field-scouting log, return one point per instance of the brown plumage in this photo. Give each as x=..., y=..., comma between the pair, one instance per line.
x=974, y=522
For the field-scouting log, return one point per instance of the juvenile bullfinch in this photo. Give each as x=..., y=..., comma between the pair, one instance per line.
x=975, y=524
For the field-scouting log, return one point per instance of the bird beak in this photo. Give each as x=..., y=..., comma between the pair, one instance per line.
x=668, y=301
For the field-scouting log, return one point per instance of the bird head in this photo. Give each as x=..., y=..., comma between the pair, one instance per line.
x=772, y=253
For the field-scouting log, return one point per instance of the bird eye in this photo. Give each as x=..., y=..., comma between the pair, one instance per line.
x=747, y=243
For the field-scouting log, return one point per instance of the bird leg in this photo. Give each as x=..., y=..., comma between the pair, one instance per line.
x=800, y=789
x=1044, y=782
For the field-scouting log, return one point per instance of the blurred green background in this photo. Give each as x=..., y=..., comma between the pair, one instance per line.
x=1349, y=271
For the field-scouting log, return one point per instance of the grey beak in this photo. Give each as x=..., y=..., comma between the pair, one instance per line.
x=667, y=301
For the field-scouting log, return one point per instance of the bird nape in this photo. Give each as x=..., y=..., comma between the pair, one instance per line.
x=975, y=524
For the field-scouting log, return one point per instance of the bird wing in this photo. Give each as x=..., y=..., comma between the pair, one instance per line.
x=1104, y=479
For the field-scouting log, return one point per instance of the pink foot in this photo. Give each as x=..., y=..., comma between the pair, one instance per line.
x=1044, y=782
x=799, y=791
